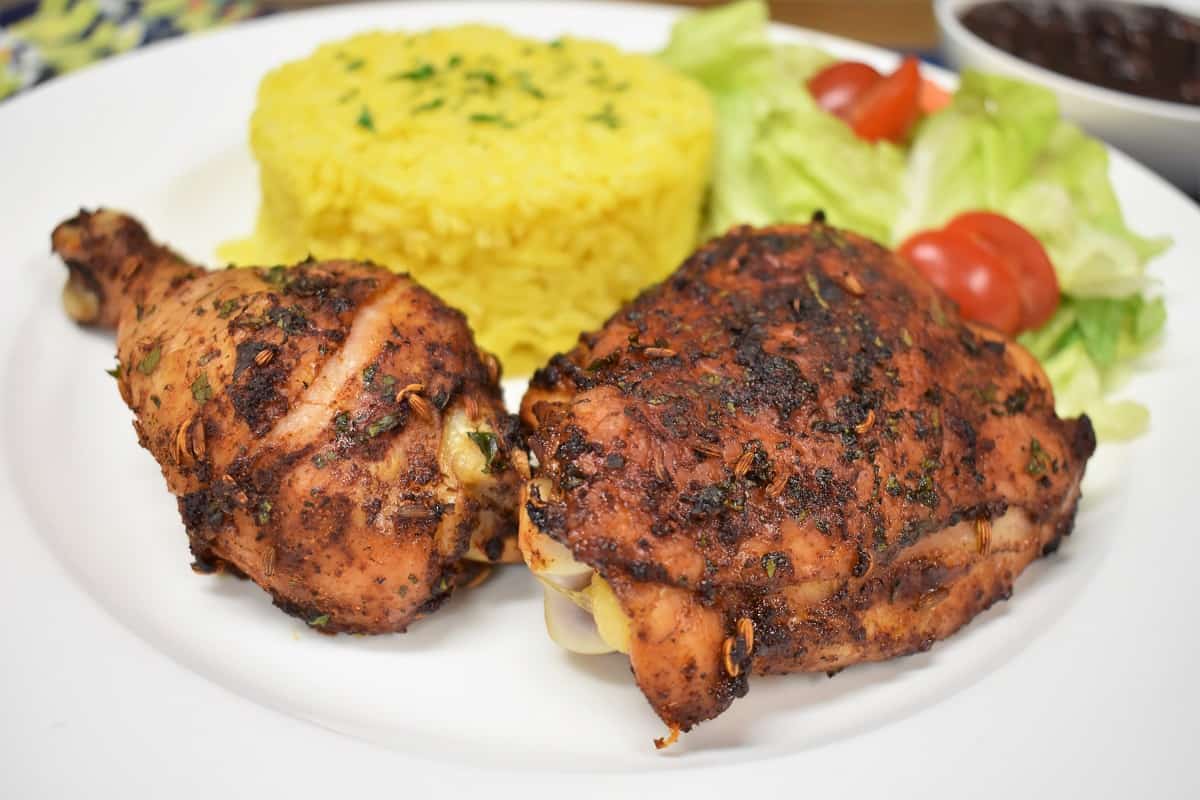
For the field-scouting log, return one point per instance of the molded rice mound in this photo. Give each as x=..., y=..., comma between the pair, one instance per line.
x=534, y=185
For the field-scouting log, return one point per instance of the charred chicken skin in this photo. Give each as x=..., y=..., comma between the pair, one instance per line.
x=792, y=455
x=330, y=430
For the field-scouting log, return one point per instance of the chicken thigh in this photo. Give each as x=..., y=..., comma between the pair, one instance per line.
x=792, y=455
x=330, y=430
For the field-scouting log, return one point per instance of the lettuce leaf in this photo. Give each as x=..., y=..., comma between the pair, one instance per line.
x=779, y=156
x=976, y=152
x=1086, y=350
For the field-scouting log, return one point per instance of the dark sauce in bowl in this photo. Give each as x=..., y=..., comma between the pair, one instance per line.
x=1144, y=50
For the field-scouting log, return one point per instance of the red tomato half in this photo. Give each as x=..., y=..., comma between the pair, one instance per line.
x=970, y=275
x=839, y=86
x=932, y=98
x=888, y=109
x=1026, y=258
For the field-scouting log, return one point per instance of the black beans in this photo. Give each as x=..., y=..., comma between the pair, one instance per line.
x=1143, y=50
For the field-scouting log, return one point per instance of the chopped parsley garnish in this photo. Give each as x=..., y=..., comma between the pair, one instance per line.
x=319, y=622
x=606, y=117
x=490, y=119
x=488, y=445
x=368, y=374
x=341, y=422
x=527, y=86
x=347, y=96
x=555, y=43
x=115, y=371
x=484, y=75
x=355, y=64
x=365, y=120
x=432, y=105
x=454, y=61
x=201, y=390
x=226, y=308
x=148, y=364
x=421, y=73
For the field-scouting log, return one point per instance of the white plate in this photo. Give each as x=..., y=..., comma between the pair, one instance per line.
x=124, y=674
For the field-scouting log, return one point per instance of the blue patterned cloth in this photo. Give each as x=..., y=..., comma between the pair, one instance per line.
x=39, y=40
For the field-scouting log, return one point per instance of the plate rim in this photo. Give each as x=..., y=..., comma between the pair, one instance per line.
x=283, y=20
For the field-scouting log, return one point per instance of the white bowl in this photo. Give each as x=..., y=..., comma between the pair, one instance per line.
x=1165, y=136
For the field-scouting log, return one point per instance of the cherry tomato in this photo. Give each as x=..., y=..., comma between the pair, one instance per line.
x=839, y=86
x=970, y=275
x=1027, y=260
x=932, y=97
x=888, y=108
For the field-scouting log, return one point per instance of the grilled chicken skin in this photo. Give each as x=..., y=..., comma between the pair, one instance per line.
x=330, y=430
x=792, y=455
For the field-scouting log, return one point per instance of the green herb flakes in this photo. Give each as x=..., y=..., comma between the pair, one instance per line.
x=527, y=86
x=201, y=389
x=148, y=364
x=1039, y=459
x=487, y=77
x=432, y=105
x=319, y=622
x=382, y=425
x=365, y=120
x=606, y=117
x=488, y=445
x=115, y=372
x=355, y=64
x=368, y=374
x=421, y=73
x=490, y=119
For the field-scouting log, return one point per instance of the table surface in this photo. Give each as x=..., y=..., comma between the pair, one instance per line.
x=905, y=24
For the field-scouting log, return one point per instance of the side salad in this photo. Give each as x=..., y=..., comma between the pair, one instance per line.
x=955, y=182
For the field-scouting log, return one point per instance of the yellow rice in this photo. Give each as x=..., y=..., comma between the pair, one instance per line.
x=535, y=185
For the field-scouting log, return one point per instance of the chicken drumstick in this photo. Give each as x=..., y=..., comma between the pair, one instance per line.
x=330, y=430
